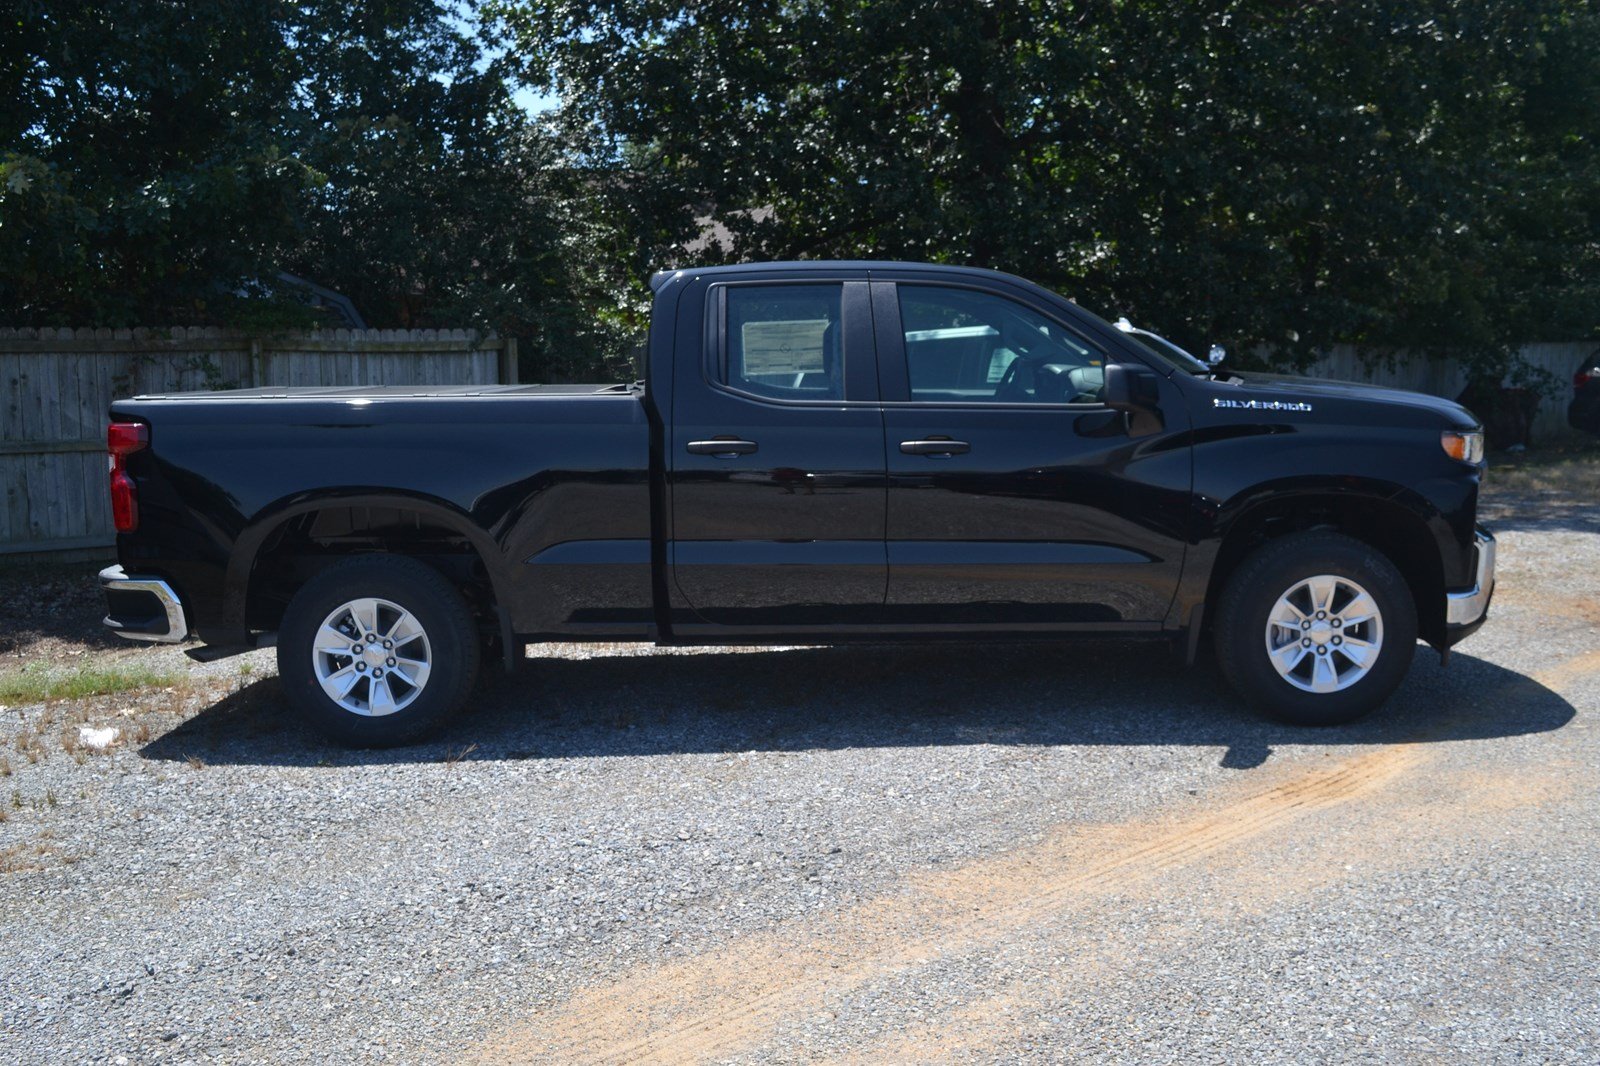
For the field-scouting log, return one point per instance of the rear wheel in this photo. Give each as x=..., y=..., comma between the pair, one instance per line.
x=1316, y=628
x=377, y=650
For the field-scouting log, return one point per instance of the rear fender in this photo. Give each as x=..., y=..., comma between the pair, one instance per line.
x=247, y=547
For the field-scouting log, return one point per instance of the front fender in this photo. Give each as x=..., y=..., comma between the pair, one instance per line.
x=1410, y=527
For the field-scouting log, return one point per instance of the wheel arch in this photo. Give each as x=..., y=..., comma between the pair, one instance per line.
x=1377, y=514
x=242, y=594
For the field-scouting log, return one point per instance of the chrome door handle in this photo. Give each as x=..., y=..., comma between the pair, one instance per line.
x=722, y=447
x=935, y=447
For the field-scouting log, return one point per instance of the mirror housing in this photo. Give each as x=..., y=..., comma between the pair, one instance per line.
x=1130, y=388
x=1135, y=391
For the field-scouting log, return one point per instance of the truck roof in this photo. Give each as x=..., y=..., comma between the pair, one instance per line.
x=831, y=266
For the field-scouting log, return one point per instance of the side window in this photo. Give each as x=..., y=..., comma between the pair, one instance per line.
x=964, y=346
x=783, y=341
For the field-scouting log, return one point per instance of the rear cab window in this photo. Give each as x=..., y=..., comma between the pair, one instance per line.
x=784, y=342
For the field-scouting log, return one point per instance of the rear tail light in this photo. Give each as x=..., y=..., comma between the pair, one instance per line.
x=122, y=440
x=1583, y=377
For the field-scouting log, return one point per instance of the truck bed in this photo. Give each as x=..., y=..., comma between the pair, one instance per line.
x=389, y=392
x=514, y=470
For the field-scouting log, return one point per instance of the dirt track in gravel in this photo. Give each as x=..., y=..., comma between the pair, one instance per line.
x=725, y=1003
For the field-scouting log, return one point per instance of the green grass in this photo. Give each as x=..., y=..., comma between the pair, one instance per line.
x=35, y=684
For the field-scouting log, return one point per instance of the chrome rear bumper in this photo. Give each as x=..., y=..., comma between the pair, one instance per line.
x=1465, y=608
x=142, y=608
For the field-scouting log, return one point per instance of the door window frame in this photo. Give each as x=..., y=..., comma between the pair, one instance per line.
x=856, y=341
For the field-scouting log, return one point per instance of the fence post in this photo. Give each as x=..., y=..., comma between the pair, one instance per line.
x=508, y=361
x=258, y=369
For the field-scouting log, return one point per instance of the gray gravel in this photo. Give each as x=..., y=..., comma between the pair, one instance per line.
x=877, y=854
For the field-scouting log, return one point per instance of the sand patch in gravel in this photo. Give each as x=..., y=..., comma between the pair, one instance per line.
x=732, y=999
x=716, y=1004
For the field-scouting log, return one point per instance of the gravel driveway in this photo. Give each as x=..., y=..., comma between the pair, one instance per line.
x=1034, y=853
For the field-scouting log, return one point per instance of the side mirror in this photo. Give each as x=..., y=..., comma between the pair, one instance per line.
x=1131, y=388
x=1216, y=355
x=1135, y=391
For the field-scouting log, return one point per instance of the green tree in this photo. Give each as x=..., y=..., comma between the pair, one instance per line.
x=419, y=151
x=1283, y=174
x=165, y=159
x=143, y=177
x=443, y=204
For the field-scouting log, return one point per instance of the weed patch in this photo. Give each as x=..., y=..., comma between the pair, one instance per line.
x=38, y=855
x=36, y=684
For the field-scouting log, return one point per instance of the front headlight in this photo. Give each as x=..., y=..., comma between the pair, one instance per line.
x=1467, y=446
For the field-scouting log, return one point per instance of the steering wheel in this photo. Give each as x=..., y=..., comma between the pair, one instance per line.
x=1008, y=388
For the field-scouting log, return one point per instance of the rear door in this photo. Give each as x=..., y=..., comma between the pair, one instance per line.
x=776, y=461
x=1016, y=499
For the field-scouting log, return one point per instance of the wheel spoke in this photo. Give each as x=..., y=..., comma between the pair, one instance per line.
x=1324, y=678
x=1357, y=651
x=381, y=700
x=1287, y=615
x=413, y=672
x=365, y=613
x=1322, y=589
x=331, y=640
x=405, y=628
x=1359, y=610
x=348, y=679
x=1288, y=657
x=339, y=683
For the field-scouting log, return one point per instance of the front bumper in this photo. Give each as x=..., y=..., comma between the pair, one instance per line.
x=1468, y=607
x=142, y=608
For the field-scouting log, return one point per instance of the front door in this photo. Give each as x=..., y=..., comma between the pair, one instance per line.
x=776, y=460
x=1017, y=500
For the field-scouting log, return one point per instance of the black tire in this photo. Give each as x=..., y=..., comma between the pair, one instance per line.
x=1247, y=603
x=451, y=639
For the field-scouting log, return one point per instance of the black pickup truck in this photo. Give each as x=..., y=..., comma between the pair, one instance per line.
x=818, y=452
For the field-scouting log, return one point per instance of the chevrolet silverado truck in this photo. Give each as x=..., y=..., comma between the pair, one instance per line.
x=817, y=453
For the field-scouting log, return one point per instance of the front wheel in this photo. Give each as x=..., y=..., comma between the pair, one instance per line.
x=1316, y=628
x=377, y=650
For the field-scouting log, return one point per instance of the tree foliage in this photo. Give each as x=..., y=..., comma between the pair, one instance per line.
x=142, y=169
x=165, y=159
x=432, y=207
x=1286, y=174
x=1261, y=172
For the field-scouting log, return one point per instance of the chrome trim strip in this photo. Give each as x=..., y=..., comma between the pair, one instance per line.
x=1464, y=608
x=112, y=579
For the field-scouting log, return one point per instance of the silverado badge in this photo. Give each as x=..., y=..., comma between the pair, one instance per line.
x=1262, y=405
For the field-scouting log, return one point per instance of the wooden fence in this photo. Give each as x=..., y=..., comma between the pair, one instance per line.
x=1444, y=377
x=55, y=387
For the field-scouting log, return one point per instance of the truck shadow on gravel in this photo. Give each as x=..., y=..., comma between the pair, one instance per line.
x=850, y=697
x=53, y=604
